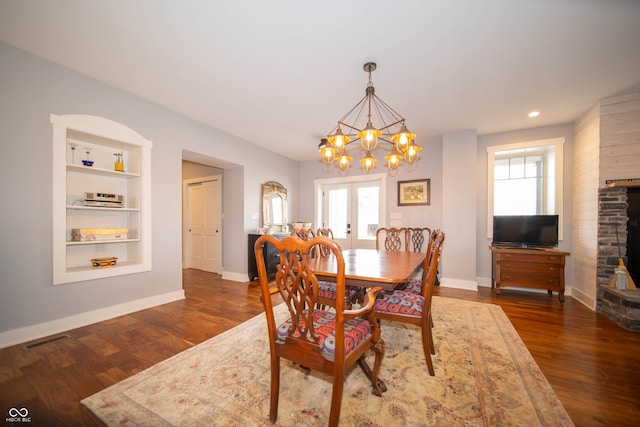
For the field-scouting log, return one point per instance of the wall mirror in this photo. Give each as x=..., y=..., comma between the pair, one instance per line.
x=274, y=207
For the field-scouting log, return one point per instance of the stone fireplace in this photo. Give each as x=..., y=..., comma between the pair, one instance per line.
x=619, y=210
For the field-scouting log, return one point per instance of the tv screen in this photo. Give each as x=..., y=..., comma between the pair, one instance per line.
x=525, y=230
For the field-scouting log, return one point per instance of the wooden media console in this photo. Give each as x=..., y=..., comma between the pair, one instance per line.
x=528, y=268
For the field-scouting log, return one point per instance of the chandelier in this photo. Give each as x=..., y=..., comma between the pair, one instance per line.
x=390, y=129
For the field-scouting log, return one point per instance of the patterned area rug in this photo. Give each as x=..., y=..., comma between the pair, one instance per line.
x=485, y=376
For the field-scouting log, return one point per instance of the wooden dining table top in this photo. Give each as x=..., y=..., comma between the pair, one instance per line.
x=370, y=267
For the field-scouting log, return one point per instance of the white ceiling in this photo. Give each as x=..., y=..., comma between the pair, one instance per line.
x=280, y=73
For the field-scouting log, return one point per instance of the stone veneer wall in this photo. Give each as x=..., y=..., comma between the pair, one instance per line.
x=612, y=212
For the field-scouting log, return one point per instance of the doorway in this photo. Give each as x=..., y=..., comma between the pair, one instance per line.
x=352, y=208
x=202, y=224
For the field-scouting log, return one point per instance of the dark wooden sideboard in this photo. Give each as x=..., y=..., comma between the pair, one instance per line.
x=528, y=268
x=270, y=257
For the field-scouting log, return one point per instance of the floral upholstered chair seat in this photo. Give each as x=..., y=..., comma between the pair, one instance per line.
x=355, y=331
x=327, y=291
x=400, y=302
x=414, y=285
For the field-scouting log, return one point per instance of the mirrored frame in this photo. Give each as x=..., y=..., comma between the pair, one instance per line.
x=274, y=206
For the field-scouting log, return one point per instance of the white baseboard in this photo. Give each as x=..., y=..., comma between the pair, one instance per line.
x=236, y=277
x=470, y=285
x=587, y=300
x=33, y=332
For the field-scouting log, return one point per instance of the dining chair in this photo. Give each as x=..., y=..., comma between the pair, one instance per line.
x=324, y=232
x=326, y=340
x=392, y=239
x=304, y=233
x=327, y=290
x=418, y=238
x=414, y=284
x=412, y=308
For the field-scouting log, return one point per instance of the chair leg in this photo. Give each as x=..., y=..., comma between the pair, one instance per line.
x=275, y=388
x=378, y=386
x=427, y=344
x=432, y=347
x=336, y=398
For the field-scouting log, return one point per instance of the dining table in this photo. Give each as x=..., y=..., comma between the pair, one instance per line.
x=370, y=267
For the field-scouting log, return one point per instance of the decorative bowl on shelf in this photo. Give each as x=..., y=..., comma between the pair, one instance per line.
x=87, y=162
x=104, y=262
x=300, y=225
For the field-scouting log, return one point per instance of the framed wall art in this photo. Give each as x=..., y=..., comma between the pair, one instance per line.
x=414, y=193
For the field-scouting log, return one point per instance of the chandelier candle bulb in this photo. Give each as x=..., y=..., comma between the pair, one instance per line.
x=411, y=155
x=403, y=139
x=338, y=140
x=393, y=159
x=368, y=162
x=344, y=161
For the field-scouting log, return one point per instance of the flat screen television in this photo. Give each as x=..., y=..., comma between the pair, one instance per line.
x=525, y=230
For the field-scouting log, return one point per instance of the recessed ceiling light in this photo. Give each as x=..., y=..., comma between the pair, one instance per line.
x=534, y=114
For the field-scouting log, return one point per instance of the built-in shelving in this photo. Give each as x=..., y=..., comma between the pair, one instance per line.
x=98, y=139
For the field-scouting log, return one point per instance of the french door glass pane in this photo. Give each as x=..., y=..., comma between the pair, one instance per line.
x=368, y=204
x=338, y=217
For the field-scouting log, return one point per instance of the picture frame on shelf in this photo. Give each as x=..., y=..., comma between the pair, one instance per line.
x=416, y=192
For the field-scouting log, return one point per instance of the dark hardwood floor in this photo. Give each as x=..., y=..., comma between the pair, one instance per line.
x=592, y=364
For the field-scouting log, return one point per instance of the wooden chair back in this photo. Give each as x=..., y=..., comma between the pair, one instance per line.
x=325, y=232
x=307, y=337
x=322, y=250
x=392, y=239
x=432, y=260
x=305, y=234
x=419, y=238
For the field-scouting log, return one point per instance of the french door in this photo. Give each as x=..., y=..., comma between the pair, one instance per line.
x=352, y=210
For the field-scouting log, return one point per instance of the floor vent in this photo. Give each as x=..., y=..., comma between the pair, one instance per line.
x=47, y=341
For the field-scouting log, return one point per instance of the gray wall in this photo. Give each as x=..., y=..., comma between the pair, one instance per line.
x=32, y=89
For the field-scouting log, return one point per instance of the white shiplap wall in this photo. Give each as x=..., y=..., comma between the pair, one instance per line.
x=607, y=146
x=585, y=207
x=620, y=138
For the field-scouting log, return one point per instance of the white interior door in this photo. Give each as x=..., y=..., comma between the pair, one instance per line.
x=352, y=210
x=204, y=223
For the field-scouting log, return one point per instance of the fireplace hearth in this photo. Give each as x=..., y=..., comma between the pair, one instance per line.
x=619, y=238
x=623, y=307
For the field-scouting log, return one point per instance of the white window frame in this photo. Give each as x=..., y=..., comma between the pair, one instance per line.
x=558, y=144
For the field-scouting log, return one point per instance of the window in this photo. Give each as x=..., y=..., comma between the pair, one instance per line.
x=521, y=181
x=525, y=179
